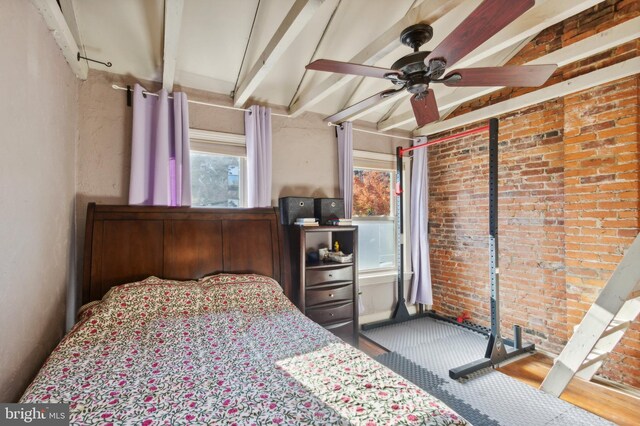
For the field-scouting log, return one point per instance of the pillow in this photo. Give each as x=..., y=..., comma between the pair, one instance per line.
x=236, y=279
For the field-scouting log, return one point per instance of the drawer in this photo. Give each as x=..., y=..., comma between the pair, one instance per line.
x=331, y=314
x=318, y=296
x=338, y=273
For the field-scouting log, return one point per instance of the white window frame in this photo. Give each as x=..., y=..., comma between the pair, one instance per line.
x=390, y=218
x=381, y=161
x=222, y=143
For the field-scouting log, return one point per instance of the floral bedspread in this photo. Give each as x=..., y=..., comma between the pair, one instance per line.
x=227, y=349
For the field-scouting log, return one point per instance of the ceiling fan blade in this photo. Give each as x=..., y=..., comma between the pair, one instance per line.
x=349, y=68
x=485, y=21
x=510, y=76
x=425, y=109
x=352, y=110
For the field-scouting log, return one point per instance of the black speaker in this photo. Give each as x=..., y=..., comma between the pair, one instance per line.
x=292, y=208
x=328, y=208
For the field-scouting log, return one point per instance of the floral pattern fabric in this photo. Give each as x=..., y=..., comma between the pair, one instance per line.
x=227, y=349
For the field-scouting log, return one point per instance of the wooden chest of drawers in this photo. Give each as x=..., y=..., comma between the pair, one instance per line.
x=328, y=291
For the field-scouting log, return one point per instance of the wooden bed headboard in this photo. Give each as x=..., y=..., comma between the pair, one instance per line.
x=129, y=243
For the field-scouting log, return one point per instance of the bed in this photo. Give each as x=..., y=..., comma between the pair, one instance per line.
x=214, y=341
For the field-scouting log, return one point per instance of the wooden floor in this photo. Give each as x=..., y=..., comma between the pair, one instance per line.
x=606, y=402
x=611, y=404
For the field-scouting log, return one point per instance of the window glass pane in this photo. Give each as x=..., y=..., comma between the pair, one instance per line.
x=215, y=180
x=376, y=244
x=376, y=229
x=371, y=192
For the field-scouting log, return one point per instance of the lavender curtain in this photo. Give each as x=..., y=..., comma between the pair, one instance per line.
x=421, y=282
x=257, y=125
x=345, y=165
x=160, y=163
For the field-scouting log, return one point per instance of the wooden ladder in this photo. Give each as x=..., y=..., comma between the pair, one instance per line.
x=602, y=327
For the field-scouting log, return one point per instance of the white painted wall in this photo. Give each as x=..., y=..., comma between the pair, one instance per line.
x=38, y=123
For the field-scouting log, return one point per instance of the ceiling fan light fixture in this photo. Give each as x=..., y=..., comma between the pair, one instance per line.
x=418, y=84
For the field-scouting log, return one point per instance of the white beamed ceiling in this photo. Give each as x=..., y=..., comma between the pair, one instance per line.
x=215, y=35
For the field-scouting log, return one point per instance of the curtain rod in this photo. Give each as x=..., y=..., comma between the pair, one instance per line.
x=374, y=133
x=115, y=86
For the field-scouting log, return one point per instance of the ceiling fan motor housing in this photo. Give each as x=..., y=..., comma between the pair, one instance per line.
x=411, y=63
x=416, y=73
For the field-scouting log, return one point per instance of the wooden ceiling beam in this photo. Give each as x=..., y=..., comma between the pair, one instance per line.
x=298, y=16
x=544, y=14
x=370, y=54
x=70, y=17
x=597, y=43
x=56, y=22
x=567, y=87
x=172, y=25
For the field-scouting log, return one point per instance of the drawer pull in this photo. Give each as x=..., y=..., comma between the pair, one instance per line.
x=330, y=294
x=331, y=314
x=331, y=275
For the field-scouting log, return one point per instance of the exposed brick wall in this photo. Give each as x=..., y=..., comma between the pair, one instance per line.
x=602, y=170
x=569, y=187
x=458, y=218
x=530, y=221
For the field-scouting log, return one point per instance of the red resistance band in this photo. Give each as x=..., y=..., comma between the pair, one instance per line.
x=399, y=189
x=446, y=138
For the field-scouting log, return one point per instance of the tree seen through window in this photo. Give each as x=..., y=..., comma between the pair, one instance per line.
x=371, y=192
x=372, y=212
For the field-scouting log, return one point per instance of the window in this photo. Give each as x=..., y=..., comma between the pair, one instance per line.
x=374, y=213
x=216, y=180
x=218, y=169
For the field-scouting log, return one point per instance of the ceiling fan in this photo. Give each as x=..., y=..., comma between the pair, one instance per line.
x=415, y=71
